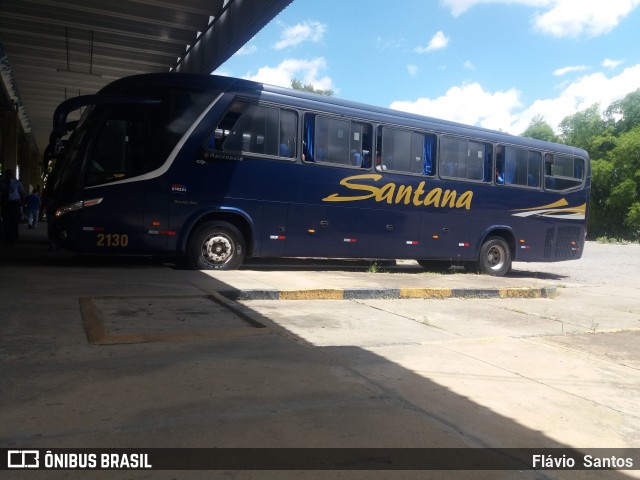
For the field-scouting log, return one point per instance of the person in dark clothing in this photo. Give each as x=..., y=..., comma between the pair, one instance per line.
x=12, y=195
x=34, y=203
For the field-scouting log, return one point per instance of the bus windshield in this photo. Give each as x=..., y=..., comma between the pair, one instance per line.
x=122, y=140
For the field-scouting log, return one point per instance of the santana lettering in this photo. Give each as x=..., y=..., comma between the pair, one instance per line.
x=397, y=194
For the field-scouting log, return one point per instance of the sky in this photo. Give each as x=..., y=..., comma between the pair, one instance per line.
x=490, y=63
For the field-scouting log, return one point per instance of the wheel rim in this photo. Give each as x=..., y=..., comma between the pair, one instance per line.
x=496, y=257
x=217, y=249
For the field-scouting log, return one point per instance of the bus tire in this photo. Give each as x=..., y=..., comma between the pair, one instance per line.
x=495, y=257
x=215, y=246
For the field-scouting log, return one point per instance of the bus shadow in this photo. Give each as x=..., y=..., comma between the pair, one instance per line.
x=536, y=275
x=35, y=249
x=328, y=264
x=378, y=266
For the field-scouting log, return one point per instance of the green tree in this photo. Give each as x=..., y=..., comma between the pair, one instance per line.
x=581, y=128
x=298, y=85
x=602, y=221
x=624, y=114
x=613, y=143
x=539, y=129
x=601, y=145
x=625, y=195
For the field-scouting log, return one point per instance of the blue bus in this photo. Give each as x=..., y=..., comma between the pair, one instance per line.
x=219, y=169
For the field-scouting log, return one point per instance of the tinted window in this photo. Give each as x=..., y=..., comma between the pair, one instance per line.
x=406, y=151
x=465, y=159
x=132, y=139
x=563, y=172
x=336, y=141
x=251, y=128
x=518, y=166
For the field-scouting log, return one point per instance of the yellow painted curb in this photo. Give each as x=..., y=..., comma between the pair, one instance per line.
x=313, y=294
x=425, y=293
x=520, y=292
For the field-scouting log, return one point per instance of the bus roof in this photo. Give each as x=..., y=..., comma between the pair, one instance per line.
x=313, y=101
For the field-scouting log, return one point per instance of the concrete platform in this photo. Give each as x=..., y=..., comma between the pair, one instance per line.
x=119, y=352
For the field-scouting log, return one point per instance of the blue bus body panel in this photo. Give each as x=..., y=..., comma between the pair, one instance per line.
x=287, y=207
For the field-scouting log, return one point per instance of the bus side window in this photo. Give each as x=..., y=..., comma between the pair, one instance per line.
x=253, y=128
x=518, y=166
x=406, y=151
x=533, y=171
x=360, y=145
x=563, y=172
x=332, y=140
x=288, y=133
x=336, y=141
x=465, y=159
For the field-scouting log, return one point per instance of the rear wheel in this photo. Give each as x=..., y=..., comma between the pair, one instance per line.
x=495, y=257
x=215, y=246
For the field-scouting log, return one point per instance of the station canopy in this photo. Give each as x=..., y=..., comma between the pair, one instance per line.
x=52, y=50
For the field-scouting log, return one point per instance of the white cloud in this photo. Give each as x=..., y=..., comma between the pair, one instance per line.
x=412, y=69
x=571, y=18
x=573, y=68
x=307, y=71
x=563, y=18
x=598, y=88
x=301, y=32
x=579, y=95
x=458, y=7
x=502, y=110
x=469, y=65
x=469, y=104
x=437, y=42
x=609, y=63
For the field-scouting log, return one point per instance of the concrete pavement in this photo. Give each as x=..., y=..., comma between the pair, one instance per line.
x=175, y=363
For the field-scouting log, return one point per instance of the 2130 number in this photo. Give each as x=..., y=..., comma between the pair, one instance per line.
x=112, y=240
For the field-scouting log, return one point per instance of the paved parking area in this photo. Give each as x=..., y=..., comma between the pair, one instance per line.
x=184, y=366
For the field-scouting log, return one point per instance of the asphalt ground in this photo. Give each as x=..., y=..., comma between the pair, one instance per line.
x=120, y=352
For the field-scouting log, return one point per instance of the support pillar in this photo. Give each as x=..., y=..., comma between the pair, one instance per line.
x=10, y=140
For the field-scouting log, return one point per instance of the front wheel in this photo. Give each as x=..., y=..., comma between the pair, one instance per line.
x=495, y=257
x=215, y=246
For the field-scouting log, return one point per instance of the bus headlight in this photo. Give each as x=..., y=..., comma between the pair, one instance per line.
x=72, y=207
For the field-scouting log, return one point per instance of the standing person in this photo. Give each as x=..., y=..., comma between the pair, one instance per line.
x=34, y=203
x=12, y=198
